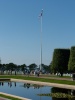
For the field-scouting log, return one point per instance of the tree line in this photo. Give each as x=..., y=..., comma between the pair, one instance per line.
x=9, y=68
x=63, y=61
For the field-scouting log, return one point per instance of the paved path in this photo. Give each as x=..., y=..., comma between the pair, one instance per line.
x=46, y=83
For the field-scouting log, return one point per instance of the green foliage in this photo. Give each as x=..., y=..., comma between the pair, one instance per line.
x=32, y=66
x=71, y=64
x=11, y=66
x=60, y=90
x=23, y=67
x=58, y=95
x=46, y=68
x=60, y=60
x=50, y=67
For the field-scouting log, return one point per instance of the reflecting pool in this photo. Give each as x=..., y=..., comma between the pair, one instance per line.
x=25, y=90
x=31, y=91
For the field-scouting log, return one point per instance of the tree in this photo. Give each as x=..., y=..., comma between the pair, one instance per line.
x=60, y=60
x=46, y=68
x=71, y=64
x=11, y=67
x=23, y=67
x=50, y=66
x=32, y=66
x=1, y=69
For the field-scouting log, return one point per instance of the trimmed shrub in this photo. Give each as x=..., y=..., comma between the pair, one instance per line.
x=71, y=64
x=60, y=60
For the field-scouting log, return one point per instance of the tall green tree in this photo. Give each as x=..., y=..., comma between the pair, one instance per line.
x=71, y=64
x=23, y=67
x=60, y=60
x=32, y=66
x=10, y=67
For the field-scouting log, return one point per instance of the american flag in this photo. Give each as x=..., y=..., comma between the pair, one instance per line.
x=41, y=13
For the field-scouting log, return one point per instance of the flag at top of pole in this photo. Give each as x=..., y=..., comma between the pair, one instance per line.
x=41, y=13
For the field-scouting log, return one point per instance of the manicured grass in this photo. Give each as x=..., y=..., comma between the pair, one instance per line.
x=39, y=79
x=45, y=75
x=8, y=97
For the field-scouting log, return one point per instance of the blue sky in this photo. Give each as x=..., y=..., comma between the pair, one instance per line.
x=20, y=29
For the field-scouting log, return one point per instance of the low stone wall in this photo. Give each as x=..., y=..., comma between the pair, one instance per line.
x=65, y=86
x=14, y=96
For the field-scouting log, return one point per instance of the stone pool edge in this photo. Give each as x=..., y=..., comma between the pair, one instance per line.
x=45, y=83
x=6, y=94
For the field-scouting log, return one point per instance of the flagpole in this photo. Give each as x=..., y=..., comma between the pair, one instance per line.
x=41, y=42
x=41, y=45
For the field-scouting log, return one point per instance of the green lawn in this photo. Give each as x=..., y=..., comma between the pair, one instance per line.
x=39, y=79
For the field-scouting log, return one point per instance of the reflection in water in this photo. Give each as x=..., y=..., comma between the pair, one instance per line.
x=60, y=94
x=10, y=84
x=2, y=83
x=60, y=99
x=15, y=84
x=28, y=85
x=63, y=98
x=66, y=92
x=24, y=90
x=55, y=93
x=60, y=90
x=37, y=86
